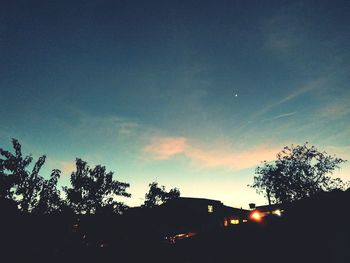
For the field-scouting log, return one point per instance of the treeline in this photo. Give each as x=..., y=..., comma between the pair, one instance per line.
x=92, y=190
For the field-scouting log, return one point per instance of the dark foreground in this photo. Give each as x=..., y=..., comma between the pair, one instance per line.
x=313, y=230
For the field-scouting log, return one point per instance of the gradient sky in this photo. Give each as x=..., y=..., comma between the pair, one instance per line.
x=193, y=94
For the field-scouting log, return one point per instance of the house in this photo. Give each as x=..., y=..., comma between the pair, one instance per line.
x=234, y=216
x=204, y=214
x=259, y=212
x=185, y=216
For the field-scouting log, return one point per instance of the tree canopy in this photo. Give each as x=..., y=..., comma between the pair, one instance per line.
x=49, y=196
x=299, y=171
x=93, y=190
x=157, y=195
x=17, y=181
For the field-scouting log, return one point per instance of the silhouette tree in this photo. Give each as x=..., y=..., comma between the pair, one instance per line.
x=49, y=196
x=16, y=182
x=94, y=190
x=29, y=189
x=299, y=171
x=12, y=169
x=157, y=195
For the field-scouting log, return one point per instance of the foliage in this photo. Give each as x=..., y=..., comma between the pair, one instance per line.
x=49, y=196
x=12, y=170
x=299, y=171
x=29, y=189
x=157, y=195
x=16, y=181
x=94, y=190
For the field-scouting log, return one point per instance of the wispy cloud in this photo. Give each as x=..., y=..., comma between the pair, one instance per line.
x=280, y=42
x=107, y=126
x=164, y=148
x=67, y=167
x=281, y=116
x=284, y=115
x=310, y=86
x=167, y=147
x=284, y=32
x=230, y=159
x=336, y=108
x=315, y=84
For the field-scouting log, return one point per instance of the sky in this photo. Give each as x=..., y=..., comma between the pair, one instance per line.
x=191, y=94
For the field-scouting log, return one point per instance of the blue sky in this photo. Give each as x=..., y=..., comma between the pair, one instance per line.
x=148, y=88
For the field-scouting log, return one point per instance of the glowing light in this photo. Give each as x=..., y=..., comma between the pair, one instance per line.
x=277, y=212
x=225, y=222
x=234, y=221
x=256, y=216
x=173, y=239
x=210, y=209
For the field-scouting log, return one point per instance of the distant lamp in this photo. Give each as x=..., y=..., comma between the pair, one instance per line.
x=234, y=221
x=256, y=216
x=210, y=209
x=225, y=222
x=277, y=212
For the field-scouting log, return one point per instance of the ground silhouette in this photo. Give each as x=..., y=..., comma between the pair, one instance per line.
x=312, y=230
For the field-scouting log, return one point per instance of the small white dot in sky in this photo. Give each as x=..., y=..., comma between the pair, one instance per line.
x=236, y=95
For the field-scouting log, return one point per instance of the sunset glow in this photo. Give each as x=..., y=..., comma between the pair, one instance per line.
x=193, y=95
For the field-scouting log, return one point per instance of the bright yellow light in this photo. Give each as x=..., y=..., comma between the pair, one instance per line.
x=234, y=221
x=210, y=209
x=256, y=216
x=277, y=212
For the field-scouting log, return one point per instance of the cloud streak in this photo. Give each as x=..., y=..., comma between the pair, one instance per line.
x=284, y=115
x=337, y=108
x=67, y=167
x=312, y=85
x=164, y=148
x=308, y=87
